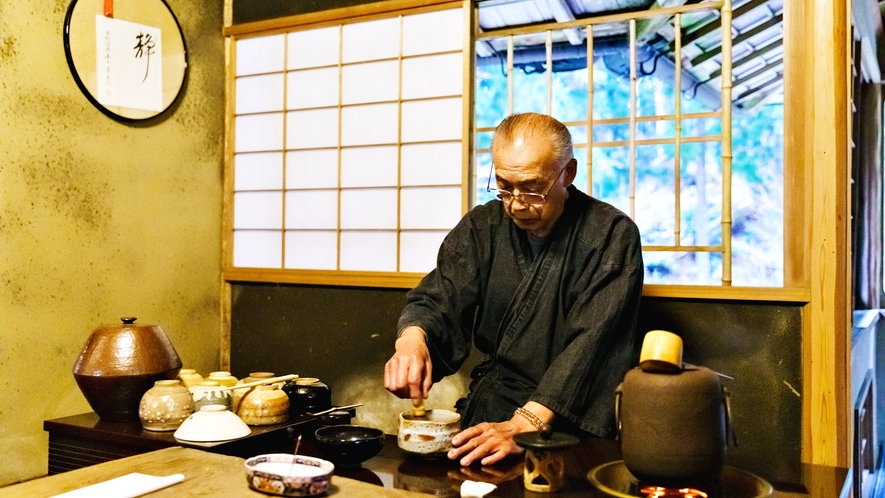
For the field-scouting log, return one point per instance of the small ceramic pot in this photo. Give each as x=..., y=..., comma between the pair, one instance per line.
x=165, y=406
x=223, y=378
x=208, y=393
x=189, y=377
x=307, y=395
x=253, y=377
x=263, y=405
x=428, y=436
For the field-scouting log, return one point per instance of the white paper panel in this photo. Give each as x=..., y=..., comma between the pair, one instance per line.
x=370, y=82
x=312, y=250
x=430, y=207
x=431, y=164
x=369, y=166
x=371, y=40
x=312, y=129
x=258, y=171
x=433, y=32
x=312, y=209
x=418, y=250
x=369, y=124
x=312, y=88
x=368, y=208
x=262, y=54
x=260, y=93
x=259, y=132
x=258, y=210
x=432, y=120
x=258, y=249
x=368, y=251
x=313, y=48
x=433, y=76
x=312, y=169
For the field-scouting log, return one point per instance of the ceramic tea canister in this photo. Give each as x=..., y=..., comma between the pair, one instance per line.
x=263, y=405
x=189, y=377
x=307, y=395
x=165, y=406
x=209, y=392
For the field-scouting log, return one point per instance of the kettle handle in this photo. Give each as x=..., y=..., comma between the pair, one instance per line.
x=729, y=424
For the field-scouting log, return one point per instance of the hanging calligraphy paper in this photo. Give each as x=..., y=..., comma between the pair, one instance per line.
x=129, y=63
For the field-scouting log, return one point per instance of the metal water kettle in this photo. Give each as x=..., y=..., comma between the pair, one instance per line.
x=674, y=420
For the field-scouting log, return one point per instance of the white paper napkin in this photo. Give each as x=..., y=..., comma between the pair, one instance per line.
x=474, y=489
x=128, y=486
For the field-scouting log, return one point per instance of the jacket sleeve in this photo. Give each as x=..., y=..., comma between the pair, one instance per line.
x=444, y=302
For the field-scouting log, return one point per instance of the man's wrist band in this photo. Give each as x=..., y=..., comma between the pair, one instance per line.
x=531, y=417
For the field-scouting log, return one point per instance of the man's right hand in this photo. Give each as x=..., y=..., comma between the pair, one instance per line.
x=408, y=373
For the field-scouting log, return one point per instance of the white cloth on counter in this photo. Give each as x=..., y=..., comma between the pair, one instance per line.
x=128, y=486
x=474, y=489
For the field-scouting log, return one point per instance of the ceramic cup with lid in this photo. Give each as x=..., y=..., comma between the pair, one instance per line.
x=209, y=392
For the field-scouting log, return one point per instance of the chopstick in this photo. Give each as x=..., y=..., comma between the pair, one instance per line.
x=333, y=409
x=260, y=382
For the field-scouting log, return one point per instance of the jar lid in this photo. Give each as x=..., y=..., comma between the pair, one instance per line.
x=546, y=439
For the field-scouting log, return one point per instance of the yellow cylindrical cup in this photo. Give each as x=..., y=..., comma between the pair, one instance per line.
x=661, y=351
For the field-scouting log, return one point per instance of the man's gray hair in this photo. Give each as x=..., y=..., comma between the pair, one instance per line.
x=530, y=124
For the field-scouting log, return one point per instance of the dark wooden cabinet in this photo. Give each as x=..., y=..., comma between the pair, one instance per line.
x=82, y=440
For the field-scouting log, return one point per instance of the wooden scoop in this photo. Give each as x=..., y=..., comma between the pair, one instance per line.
x=418, y=410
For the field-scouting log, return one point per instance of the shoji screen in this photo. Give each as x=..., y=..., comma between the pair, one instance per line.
x=349, y=144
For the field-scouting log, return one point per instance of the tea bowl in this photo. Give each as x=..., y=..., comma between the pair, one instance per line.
x=429, y=436
x=289, y=475
x=348, y=445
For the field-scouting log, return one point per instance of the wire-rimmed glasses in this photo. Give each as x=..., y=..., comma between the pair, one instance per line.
x=524, y=197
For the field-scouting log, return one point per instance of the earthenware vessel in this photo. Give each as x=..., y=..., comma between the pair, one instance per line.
x=289, y=475
x=253, y=377
x=209, y=392
x=119, y=363
x=189, y=377
x=212, y=423
x=307, y=395
x=263, y=405
x=223, y=378
x=428, y=436
x=165, y=406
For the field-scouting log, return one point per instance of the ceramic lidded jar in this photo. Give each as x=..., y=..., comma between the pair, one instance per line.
x=189, y=377
x=223, y=378
x=165, y=406
x=307, y=395
x=263, y=405
x=119, y=363
x=209, y=392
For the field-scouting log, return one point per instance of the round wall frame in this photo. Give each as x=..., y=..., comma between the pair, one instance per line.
x=146, y=17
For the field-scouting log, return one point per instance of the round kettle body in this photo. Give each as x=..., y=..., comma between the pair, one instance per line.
x=673, y=425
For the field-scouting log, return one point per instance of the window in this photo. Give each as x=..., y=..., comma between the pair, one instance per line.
x=348, y=145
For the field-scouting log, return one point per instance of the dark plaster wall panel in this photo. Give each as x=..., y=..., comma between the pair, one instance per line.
x=245, y=11
x=759, y=344
x=345, y=335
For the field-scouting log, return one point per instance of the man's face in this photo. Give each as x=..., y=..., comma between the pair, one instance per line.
x=528, y=164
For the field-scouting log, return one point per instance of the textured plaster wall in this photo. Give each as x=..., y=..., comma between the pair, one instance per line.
x=99, y=219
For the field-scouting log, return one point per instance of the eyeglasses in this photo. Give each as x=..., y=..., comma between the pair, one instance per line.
x=524, y=197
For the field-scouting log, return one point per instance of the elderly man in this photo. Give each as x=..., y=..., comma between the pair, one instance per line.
x=545, y=282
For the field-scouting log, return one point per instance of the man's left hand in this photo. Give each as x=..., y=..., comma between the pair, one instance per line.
x=486, y=442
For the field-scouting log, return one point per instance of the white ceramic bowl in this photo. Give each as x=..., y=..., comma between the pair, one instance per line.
x=289, y=475
x=428, y=436
x=212, y=423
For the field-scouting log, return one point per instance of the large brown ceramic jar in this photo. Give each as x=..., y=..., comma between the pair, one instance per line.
x=119, y=363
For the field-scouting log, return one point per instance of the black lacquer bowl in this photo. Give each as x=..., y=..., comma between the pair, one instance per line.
x=348, y=445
